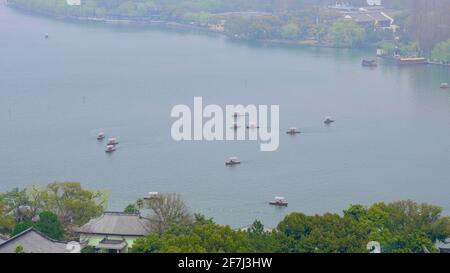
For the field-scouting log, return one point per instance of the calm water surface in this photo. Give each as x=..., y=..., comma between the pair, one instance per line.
x=391, y=139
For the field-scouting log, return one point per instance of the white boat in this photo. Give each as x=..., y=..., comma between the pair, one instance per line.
x=279, y=201
x=100, y=136
x=110, y=148
x=328, y=120
x=444, y=85
x=152, y=195
x=112, y=141
x=232, y=161
x=293, y=131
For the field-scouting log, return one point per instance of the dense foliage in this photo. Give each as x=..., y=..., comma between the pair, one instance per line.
x=421, y=21
x=304, y=21
x=64, y=204
x=442, y=52
x=403, y=226
x=47, y=223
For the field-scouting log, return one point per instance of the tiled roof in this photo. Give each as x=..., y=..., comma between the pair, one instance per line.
x=445, y=244
x=117, y=223
x=367, y=17
x=33, y=241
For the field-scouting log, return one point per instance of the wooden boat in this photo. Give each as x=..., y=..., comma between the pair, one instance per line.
x=293, y=131
x=369, y=63
x=279, y=201
x=444, y=85
x=232, y=161
x=100, y=136
x=112, y=141
x=110, y=148
x=411, y=61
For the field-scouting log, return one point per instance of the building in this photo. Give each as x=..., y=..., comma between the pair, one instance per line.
x=374, y=2
x=343, y=7
x=33, y=241
x=73, y=2
x=377, y=18
x=114, y=231
x=444, y=247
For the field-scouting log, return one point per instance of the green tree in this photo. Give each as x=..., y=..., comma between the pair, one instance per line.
x=131, y=208
x=262, y=240
x=441, y=52
x=73, y=204
x=22, y=226
x=16, y=203
x=290, y=31
x=48, y=224
x=326, y=233
x=6, y=221
x=345, y=33
x=19, y=249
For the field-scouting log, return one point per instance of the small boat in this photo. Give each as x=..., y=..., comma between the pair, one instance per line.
x=232, y=161
x=236, y=126
x=328, y=120
x=279, y=201
x=369, y=63
x=110, y=148
x=112, y=141
x=46, y=36
x=152, y=195
x=293, y=131
x=253, y=126
x=411, y=61
x=444, y=85
x=100, y=136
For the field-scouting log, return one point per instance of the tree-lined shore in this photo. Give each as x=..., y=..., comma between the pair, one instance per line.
x=303, y=23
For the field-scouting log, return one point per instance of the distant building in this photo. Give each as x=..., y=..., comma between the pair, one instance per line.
x=114, y=231
x=444, y=247
x=33, y=241
x=374, y=2
x=377, y=18
x=343, y=7
x=73, y=2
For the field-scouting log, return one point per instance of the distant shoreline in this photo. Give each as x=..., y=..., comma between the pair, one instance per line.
x=189, y=28
x=175, y=26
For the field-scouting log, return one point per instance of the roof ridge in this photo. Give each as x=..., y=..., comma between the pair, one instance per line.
x=36, y=231
x=122, y=213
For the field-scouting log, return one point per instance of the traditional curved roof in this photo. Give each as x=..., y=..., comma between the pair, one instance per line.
x=117, y=223
x=33, y=241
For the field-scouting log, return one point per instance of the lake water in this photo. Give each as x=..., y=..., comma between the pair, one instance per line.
x=390, y=142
